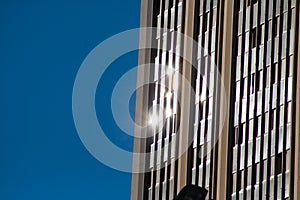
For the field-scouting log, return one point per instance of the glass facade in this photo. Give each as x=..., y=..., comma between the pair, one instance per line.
x=260, y=154
x=202, y=154
x=261, y=132
x=163, y=165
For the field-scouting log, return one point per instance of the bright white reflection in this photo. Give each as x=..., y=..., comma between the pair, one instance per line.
x=202, y=97
x=168, y=112
x=153, y=120
x=169, y=95
x=169, y=70
x=150, y=120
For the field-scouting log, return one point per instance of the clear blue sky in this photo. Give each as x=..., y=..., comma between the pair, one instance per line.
x=42, y=45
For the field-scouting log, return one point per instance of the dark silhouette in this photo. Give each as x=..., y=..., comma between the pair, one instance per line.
x=191, y=192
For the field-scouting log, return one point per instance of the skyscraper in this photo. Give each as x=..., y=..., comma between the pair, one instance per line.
x=243, y=145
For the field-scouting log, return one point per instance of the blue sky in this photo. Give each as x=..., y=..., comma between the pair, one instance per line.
x=42, y=45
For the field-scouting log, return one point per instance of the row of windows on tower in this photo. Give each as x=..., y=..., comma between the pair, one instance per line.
x=254, y=132
x=272, y=3
x=258, y=80
x=257, y=36
x=254, y=172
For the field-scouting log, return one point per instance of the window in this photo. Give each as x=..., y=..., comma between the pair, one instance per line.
x=273, y=166
x=259, y=103
x=249, y=176
x=253, y=38
x=244, y=89
x=289, y=112
x=200, y=156
x=290, y=88
x=214, y=17
x=278, y=6
x=252, y=88
x=265, y=169
x=261, y=34
x=270, y=25
x=239, y=181
x=278, y=169
x=257, y=152
x=276, y=26
x=234, y=182
x=236, y=113
x=289, y=67
x=290, y=21
x=251, y=128
x=179, y=19
x=266, y=123
x=158, y=25
x=234, y=166
x=260, y=81
x=285, y=21
x=236, y=136
x=166, y=21
x=262, y=11
x=268, y=77
x=273, y=73
x=205, y=23
x=241, y=136
x=172, y=18
x=258, y=126
x=237, y=94
x=272, y=120
x=240, y=22
x=244, y=110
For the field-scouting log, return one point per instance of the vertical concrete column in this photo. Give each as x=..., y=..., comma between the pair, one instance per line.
x=226, y=40
x=186, y=118
x=297, y=119
x=142, y=96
